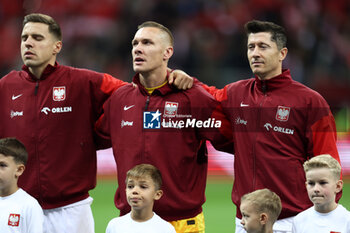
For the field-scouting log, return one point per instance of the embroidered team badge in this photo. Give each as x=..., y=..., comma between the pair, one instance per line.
x=13, y=220
x=59, y=93
x=282, y=113
x=170, y=108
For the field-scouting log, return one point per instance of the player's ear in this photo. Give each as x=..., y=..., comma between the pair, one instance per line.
x=263, y=218
x=283, y=53
x=168, y=53
x=57, y=47
x=339, y=186
x=20, y=170
x=158, y=194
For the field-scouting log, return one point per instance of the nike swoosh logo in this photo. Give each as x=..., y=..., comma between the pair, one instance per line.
x=128, y=107
x=15, y=97
x=244, y=105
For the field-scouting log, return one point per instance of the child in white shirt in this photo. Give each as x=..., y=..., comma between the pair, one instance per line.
x=143, y=187
x=19, y=212
x=260, y=210
x=323, y=183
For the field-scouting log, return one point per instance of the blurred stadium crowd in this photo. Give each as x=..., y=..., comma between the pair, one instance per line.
x=209, y=39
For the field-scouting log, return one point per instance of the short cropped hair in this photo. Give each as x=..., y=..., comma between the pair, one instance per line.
x=54, y=27
x=265, y=201
x=14, y=148
x=159, y=26
x=143, y=170
x=324, y=161
x=278, y=33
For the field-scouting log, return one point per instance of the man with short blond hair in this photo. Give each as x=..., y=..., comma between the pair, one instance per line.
x=167, y=128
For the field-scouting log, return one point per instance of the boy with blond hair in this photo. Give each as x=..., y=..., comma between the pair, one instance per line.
x=260, y=210
x=19, y=212
x=143, y=187
x=323, y=183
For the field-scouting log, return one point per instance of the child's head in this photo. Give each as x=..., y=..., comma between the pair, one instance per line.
x=260, y=209
x=323, y=181
x=13, y=157
x=143, y=186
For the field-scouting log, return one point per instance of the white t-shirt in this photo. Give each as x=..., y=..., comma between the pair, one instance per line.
x=310, y=220
x=125, y=224
x=20, y=212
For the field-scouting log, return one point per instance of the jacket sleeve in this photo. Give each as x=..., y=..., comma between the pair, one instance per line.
x=110, y=84
x=224, y=140
x=322, y=133
x=102, y=134
x=102, y=87
x=324, y=137
x=216, y=128
x=105, y=88
x=218, y=94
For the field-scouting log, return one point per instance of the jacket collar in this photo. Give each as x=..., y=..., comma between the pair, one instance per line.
x=280, y=81
x=46, y=73
x=160, y=91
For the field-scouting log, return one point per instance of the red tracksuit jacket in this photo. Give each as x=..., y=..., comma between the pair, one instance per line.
x=277, y=125
x=152, y=129
x=54, y=118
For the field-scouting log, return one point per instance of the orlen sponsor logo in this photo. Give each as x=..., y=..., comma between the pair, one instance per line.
x=47, y=110
x=16, y=113
x=268, y=126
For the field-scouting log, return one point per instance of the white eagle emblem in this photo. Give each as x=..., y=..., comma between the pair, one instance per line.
x=13, y=220
x=59, y=93
x=170, y=108
x=282, y=113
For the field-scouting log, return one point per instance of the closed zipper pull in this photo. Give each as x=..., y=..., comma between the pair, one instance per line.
x=36, y=88
x=264, y=87
x=147, y=103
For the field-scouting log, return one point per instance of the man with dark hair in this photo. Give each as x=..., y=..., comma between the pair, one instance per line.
x=52, y=109
x=54, y=28
x=277, y=124
x=278, y=34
